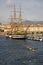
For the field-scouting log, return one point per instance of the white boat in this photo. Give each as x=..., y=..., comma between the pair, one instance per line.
x=8, y=36
x=41, y=39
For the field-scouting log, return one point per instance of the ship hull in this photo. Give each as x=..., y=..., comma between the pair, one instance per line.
x=18, y=37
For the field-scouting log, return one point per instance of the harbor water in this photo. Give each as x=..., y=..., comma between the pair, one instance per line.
x=15, y=52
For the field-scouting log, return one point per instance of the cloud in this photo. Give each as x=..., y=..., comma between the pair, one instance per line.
x=8, y=2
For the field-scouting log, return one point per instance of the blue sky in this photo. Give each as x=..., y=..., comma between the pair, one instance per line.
x=31, y=9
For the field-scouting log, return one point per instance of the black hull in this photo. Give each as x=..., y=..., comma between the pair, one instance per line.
x=19, y=38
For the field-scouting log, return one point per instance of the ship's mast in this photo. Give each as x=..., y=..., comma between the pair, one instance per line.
x=11, y=20
x=14, y=14
x=20, y=16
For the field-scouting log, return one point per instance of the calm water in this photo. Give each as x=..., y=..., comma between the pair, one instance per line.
x=14, y=52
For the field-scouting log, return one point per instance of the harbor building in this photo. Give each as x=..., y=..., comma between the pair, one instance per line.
x=35, y=29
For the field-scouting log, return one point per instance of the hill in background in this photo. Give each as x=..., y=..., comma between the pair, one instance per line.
x=32, y=22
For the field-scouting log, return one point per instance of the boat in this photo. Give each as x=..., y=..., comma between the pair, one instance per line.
x=17, y=30
x=16, y=36
x=8, y=36
x=30, y=48
x=41, y=39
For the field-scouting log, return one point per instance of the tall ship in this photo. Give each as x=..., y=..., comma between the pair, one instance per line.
x=17, y=31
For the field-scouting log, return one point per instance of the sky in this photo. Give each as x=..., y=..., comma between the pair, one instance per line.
x=31, y=9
